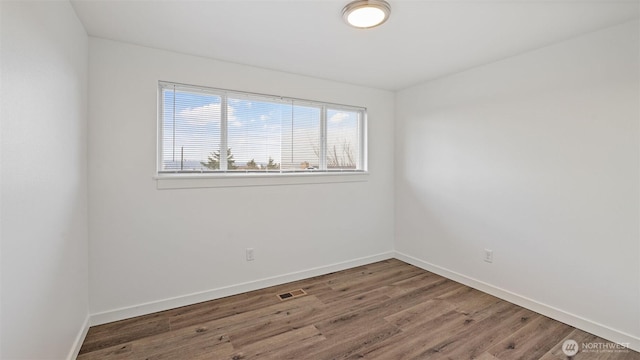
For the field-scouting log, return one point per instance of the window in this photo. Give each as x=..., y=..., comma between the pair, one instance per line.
x=214, y=131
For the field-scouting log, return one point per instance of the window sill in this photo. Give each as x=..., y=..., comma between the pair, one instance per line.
x=170, y=181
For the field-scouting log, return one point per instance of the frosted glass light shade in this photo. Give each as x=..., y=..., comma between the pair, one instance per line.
x=364, y=14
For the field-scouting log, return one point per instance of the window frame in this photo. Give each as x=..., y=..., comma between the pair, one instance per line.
x=295, y=176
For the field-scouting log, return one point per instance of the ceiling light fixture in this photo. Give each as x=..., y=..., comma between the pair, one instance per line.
x=364, y=14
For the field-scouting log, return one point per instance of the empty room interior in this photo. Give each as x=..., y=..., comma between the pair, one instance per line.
x=456, y=180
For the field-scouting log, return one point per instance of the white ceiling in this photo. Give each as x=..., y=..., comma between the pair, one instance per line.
x=422, y=40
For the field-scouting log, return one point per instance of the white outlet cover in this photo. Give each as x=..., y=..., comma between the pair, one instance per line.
x=488, y=255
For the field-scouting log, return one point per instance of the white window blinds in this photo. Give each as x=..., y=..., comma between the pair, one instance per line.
x=205, y=130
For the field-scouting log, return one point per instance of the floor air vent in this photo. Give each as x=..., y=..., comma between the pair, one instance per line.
x=291, y=294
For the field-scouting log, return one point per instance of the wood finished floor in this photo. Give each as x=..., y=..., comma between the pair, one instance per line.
x=385, y=310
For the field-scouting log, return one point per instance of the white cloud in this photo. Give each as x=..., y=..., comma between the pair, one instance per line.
x=339, y=117
x=203, y=115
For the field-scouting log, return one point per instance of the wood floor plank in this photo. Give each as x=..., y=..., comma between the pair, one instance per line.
x=385, y=310
x=353, y=346
x=416, y=341
x=481, y=335
x=467, y=300
x=350, y=324
x=532, y=341
x=369, y=275
x=379, y=310
x=355, y=302
x=414, y=282
x=191, y=351
x=474, y=302
x=189, y=342
x=217, y=310
x=419, y=314
x=368, y=282
x=271, y=347
x=294, y=351
x=430, y=290
x=282, y=310
x=123, y=331
x=486, y=356
x=294, y=317
x=116, y=352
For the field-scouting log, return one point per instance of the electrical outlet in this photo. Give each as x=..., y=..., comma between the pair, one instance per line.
x=249, y=254
x=488, y=255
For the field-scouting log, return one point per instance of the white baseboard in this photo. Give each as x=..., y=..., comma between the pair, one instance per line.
x=170, y=303
x=581, y=323
x=77, y=344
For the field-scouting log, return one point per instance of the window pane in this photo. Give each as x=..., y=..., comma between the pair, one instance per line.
x=190, y=131
x=254, y=129
x=259, y=133
x=301, y=139
x=343, y=141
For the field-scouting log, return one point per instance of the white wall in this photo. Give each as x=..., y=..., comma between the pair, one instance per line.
x=44, y=67
x=152, y=249
x=535, y=157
